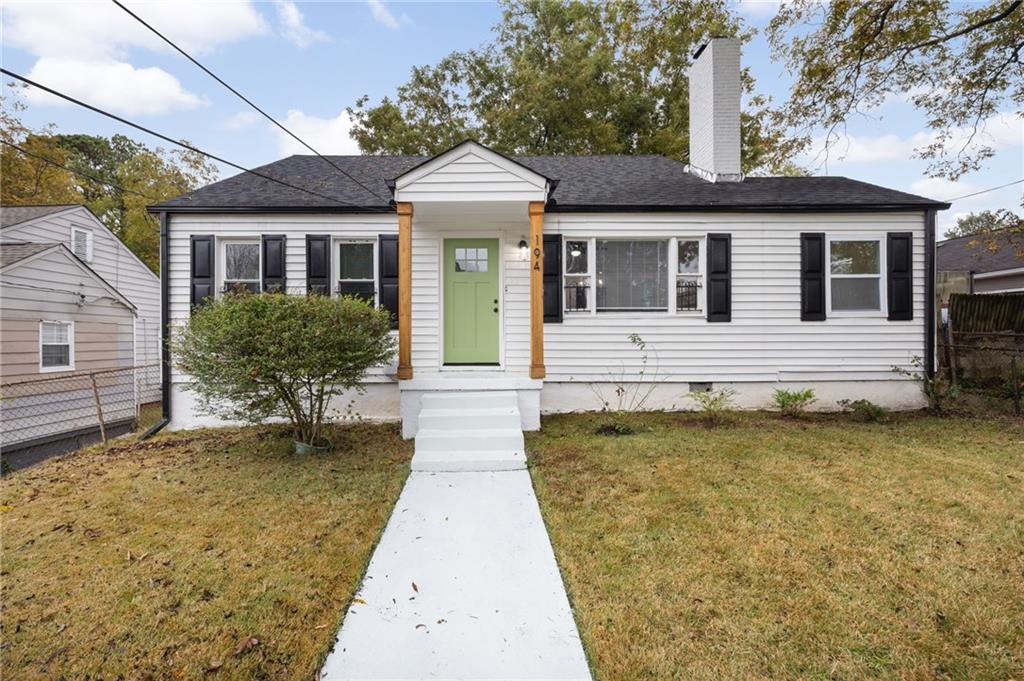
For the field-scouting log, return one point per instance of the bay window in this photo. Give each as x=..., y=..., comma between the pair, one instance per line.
x=355, y=268
x=242, y=267
x=855, y=275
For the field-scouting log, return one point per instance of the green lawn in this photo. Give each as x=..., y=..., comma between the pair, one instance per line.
x=822, y=549
x=191, y=555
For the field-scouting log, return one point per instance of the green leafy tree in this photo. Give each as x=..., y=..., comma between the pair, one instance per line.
x=256, y=357
x=157, y=174
x=994, y=229
x=570, y=78
x=960, y=63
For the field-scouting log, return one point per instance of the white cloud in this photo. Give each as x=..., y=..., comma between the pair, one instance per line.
x=110, y=84
x=940, y=188
x=384, y=16
x=241, y=121
x=91, y=29
x=1002, y=130
x=82, y=47
x=326, y=135
x=758, y=8
x=294, y=28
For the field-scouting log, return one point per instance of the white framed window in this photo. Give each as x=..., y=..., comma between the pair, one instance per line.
x=242, y=266
x=631, y=275
x=355, y=266
x=56, y=346
x=855, y=280
x=689, y=274
x=640, y=275
x=81, y=243
x=577, y=270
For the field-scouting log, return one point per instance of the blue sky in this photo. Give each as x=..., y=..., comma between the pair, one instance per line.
x=304, y=63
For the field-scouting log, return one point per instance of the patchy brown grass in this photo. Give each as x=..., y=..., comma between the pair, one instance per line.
x=819, y=549
x=213, y=553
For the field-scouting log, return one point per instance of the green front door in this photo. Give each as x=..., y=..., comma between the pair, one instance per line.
x=471, y=311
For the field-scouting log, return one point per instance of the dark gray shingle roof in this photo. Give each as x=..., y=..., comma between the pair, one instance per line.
x=957, y=255
x=13, y=251
x=584, y=183
x=13, y=215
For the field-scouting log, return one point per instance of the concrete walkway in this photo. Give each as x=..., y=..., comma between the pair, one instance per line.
x=463, y=585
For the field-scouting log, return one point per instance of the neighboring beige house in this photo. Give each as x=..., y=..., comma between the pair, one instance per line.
x=983, y=270
x=83, y=234
x=74, y=300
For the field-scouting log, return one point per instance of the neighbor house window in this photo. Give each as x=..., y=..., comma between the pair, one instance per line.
x=241, y=265
x=577, y=275
x=689, y=277
x=81, y=243
x=632, y=275
x=56, y=346
x=355, y=267
x=855, y=275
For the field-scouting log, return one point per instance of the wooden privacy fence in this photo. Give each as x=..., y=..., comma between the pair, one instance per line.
x=983, y=344
x=988, y=312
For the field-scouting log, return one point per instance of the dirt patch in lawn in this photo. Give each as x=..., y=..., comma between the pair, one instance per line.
x=213, y=552
x=777, y=548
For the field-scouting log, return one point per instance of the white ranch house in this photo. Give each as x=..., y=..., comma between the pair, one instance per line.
x=527, y=275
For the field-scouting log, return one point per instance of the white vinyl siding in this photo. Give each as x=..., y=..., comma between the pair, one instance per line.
x=250, y=228
x=469, y=174
x=765, y=341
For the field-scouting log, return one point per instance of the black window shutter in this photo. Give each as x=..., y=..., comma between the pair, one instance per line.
x=273, y=263
x=719, y=292
x=387, y=275
x=812, y=277
x=901, y=276
x=552, y=278
x=318, y=264
x=201, y=269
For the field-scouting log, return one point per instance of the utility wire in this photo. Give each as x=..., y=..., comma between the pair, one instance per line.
x=986, y=191
x=246, y=99
x=79, y=172
x=184, y=145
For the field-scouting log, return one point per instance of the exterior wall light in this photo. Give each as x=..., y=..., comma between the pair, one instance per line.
x=524, y=250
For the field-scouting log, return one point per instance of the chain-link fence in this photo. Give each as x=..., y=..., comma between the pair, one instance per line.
x=46, y=416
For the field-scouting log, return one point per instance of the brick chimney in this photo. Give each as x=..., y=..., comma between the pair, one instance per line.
x=715, y=111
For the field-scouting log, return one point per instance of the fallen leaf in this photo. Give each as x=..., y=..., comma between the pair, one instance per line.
x=360, y=601
x=245, y=646
x=421, y=625
x=415, y=588
x=214, y=665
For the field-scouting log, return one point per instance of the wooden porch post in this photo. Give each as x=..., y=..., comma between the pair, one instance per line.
x=537, y=289
x=404, y=291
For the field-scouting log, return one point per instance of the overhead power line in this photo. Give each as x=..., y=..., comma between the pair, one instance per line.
x=158, y=135
x=246, y=99
x=78, y=172
x=986, y=191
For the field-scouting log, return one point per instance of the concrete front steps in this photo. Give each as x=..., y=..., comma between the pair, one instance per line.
x=462, y=431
